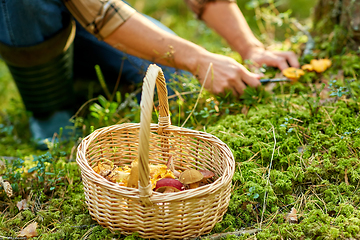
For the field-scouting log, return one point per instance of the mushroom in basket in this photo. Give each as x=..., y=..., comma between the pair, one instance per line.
x=191, y=178
x=167, y=185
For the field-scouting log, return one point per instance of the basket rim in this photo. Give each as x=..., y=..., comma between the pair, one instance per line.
x=133, y=193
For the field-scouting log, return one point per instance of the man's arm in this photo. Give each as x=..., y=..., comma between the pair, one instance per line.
x=227, y=19
x=123, y=28
x=140, y=37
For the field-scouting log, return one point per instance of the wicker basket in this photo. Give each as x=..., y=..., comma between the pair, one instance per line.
x=184, y=214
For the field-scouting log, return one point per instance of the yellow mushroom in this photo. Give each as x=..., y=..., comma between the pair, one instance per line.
x=293, y=73
x=327, y=62
x=320, y=65
x=307, y=67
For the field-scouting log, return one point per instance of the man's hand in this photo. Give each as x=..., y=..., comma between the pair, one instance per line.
x=227, y=19
x=227, y=74
x=278, y=59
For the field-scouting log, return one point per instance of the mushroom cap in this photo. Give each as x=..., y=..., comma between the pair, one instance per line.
x=190, y=176
x=169, y=182
x=327, y=62
x=293, y=73
x=320, y=65
x=308, y=67
x=207, y=173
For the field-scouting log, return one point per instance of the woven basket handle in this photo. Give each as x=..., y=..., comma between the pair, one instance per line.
x=153, y=74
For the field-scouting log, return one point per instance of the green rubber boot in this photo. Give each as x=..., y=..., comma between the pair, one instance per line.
x=44, y=77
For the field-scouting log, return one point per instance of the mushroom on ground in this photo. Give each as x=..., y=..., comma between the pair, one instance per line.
x=307, y=67
x=319, y=65
x=191, y=177
x=166, y=185
x=293, y=73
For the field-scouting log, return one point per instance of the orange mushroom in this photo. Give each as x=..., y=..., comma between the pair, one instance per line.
x=319, y=65
x=307, y=67
x=327, y=62
x=293, y=73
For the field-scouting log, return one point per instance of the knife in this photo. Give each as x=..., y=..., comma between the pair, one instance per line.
x=270, y=80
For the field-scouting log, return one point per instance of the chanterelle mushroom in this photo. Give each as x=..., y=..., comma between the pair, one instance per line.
x=191, y=177
x=293, y=73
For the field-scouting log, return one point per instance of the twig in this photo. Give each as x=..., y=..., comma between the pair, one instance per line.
x=85, y=226
x=3, y=237
x=8, y=158
x=82, y=106
x=268, y=178
x=128, y=100
x=310, y=44
x=182, y=94
x=87, y=234
x=218, y=236
x=197, y=100
x=117, y=80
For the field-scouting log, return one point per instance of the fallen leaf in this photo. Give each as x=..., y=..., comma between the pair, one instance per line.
x=291, y=217
x=29, y=231
x=245, y=110
x=22, y=204
x=7, y=187
x=2, y=167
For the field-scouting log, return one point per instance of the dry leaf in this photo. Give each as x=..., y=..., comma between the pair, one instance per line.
x=7, y=187
x=2, y=167
x=245, y=110
x=22, y=205
x=29, y=231
x=291, y=217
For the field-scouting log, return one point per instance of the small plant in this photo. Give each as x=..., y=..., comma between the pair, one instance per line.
x=336, y=90
x=104, y=112
x=313, y=103
x=254, y=96
x=252, y=193
x=14, y=168
x=47, y=171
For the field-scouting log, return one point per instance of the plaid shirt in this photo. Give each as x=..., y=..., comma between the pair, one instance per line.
x=102, y=17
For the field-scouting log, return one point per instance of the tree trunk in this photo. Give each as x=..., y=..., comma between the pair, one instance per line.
x=338, y=23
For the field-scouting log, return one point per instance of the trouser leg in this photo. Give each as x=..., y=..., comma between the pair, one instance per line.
x=36, y=44
x=45, y=83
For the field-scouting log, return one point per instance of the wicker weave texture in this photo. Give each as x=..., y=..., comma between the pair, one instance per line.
x=185, y=214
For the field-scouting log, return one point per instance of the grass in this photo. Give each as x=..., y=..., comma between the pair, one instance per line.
x=295, y=146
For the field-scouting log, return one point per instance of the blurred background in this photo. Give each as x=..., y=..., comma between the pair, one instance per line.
x=269, y=20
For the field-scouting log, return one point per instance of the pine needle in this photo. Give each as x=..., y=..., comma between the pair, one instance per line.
x=268, y=178
x=197, y=100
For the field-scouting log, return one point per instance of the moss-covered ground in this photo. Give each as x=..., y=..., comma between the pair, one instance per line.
x=296, y=146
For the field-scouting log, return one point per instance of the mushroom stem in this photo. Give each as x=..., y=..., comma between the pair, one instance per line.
x=170, y=165
x=194, y=185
